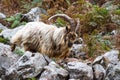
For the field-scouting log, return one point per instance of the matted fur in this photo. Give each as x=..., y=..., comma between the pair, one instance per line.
x=46, y=39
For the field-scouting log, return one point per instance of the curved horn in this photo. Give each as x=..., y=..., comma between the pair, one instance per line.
x=78, y=25
x=67, y=18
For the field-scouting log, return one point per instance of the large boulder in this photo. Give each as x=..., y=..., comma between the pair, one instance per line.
x=79, y=70
x=54, y=72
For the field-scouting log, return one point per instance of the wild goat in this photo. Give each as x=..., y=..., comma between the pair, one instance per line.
x=47, y=39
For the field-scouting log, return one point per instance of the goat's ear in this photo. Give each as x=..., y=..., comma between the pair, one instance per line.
x=68, y=29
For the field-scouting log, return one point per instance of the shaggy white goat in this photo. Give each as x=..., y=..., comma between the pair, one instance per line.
x=45, y=38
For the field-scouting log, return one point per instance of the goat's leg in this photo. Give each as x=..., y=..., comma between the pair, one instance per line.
x=29, y=47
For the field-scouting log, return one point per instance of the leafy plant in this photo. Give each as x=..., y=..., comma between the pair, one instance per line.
x=32, y=79
x=3, y=40
x=117, y=12
x=15, y=20
x=60, y=22
x=0, y=30
x=101, y=11
x=19, y=51
x=96, y=45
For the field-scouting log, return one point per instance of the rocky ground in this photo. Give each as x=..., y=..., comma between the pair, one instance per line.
x=35, y=65
x=14, y=67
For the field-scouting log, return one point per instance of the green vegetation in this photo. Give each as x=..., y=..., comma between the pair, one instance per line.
x=32, y=79
x=0, y=30
x=3, y=40
x=96, y=45
x=19, y=51
x=15, y=20
x=117, y=12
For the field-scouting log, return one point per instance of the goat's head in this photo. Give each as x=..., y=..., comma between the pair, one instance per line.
x=70, y=31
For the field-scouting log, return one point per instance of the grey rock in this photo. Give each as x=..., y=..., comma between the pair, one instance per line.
x=54, y=72
x=2, y=71
x=76, y=51
x=79, y=70
x=7, y=58
x=74, y=79
x=99, y=72
x=98, y=60
x=111, y=57
x=114, y=72
x=34, y=14
x=2, y=27
x=114, y=32
x=79, y=41
x=115, y=19
x=109, y=5
x=8, y=33
x=2, y=16
x=28, y=66
x=109, y=68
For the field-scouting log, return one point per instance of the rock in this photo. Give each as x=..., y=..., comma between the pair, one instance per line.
x=111, y=57
x=28, y=66
x=109, y=5
x=2, y=71
x=113, y=72
x=79, y=70
x=2, y=27
x=115, y=19
x=114, y=32
x=7, y=58
x=76, y=51
x=98, y=60
x=99, y=72
x=8, y=33
x=79, y=41
x=2, y=16
x=54, y=72
x=34, y=14
x=109, y=68
x=108, y=57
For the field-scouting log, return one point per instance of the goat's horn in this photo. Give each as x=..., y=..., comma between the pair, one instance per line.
x=77, y=25
x=67, y=18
